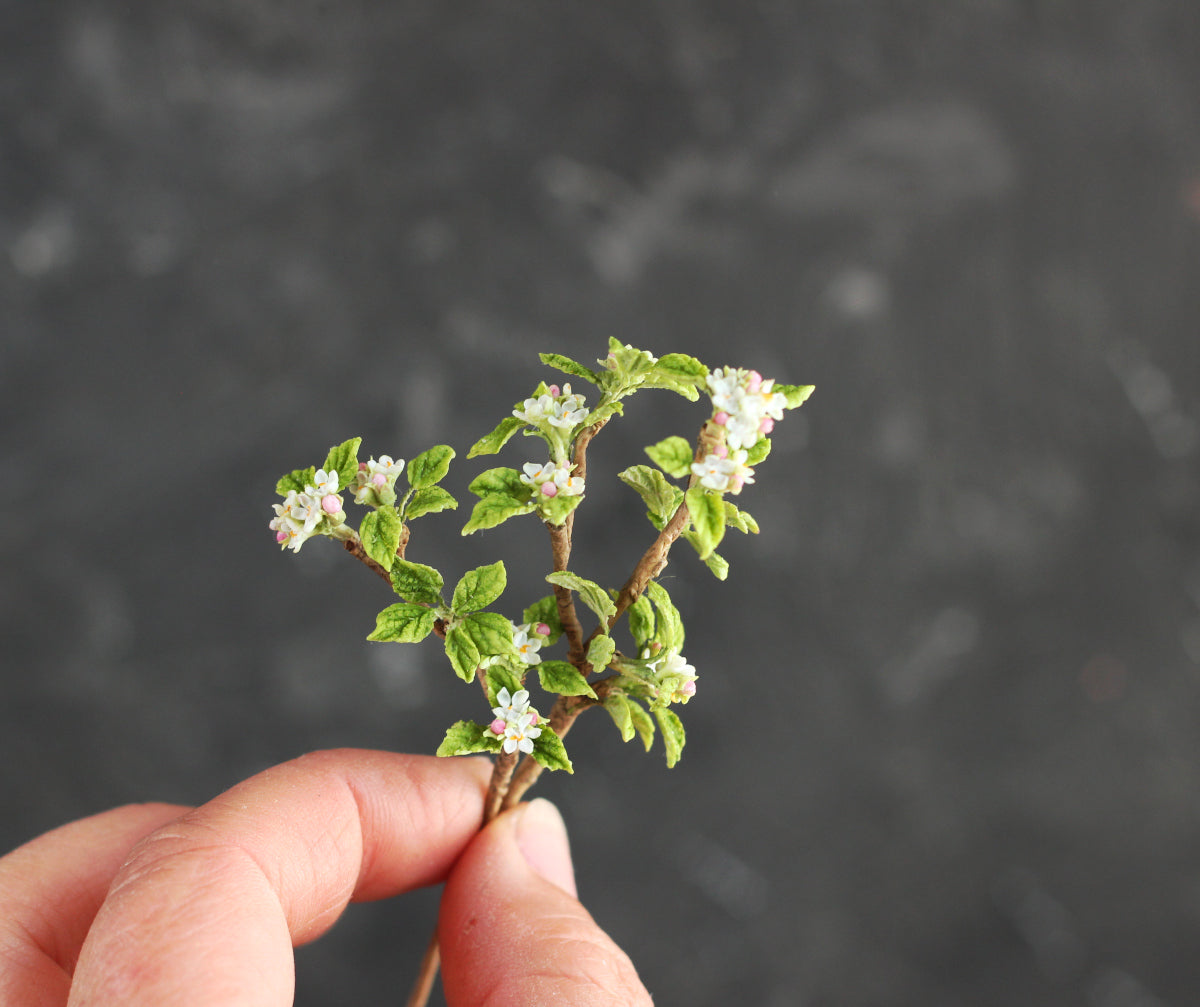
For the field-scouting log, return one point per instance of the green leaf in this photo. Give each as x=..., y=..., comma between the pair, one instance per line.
x=641, y=621
x=403, y=623
x=545, y=610
x=501, y=676
x=708, y=518
x=673, y=455
x=643, y=723
x=417, y=582
x=493, y=442
x=620, y=709
x=660, y=497
x=739, y=519
x=494, y=509
x=462, y=652
x=478, y=588
x=548, y=751
x=491, y=633
x=430, y=467
x=554, y=510
x=718, y=564
x=500, y=480
x=670, y=626
x=380, y=534
x=467, y=738
x=428, y=500
x=297, y=480
x=343, y=459
x=568, y=366
x=758, y=451
x=563, y=678
x=590, y=593
x=682, y=367
x=672, y=732
x=600, y=651
x=603, y=412
x=796, y=395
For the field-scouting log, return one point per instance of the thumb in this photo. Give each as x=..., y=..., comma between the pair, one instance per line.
x=512, y=932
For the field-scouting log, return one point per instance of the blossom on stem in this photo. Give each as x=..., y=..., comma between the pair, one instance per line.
x=677, y=677
x=528, y=642
x=723, y=473
x=519, y=735
x=516, y=720
x=296, y=519
x=568, y=410
x=745, y=404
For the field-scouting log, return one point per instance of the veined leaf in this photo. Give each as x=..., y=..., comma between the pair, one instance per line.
x=417, y=582
x=673, y=455
x=796, y=395
x=643, y=723
x=489, y=444
x=343, y=459
x=430, y=467
x=491, y=633
x=568, y=366
x=403, y=623
x=494, y=509
x=467, y=738
x=548, y=751
x=669, y=630
x=297, y=480
x=672, y=732
x=380, y=535
x=661, y=498
x=478, y=588
x=590, y=593
x=463, y=654
x=505, y=481
x=641, y=621
x=600, y=651
x=428, y=500
x=563, y=677
x=619, y=708
x=708, y=518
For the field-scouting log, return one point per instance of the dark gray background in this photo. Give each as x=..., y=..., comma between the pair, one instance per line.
x=946, y=748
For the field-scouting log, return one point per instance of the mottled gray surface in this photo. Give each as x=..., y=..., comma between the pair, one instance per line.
x=947, y=744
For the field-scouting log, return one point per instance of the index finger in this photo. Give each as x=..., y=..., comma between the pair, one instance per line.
x=207, y=909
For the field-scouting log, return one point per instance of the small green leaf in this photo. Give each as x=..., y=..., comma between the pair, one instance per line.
x=403, y=623
x=796, y=395
x=417, y=582
x=478, y=588
x=643, y=723
x=669, y=631
x=380, y=535
x=739, y=519
x=298, y=480
x=758, y=451
x=491, y=633
x=603, y=412
x=500, y=480
x=641, y=621
x=462, y=652
x=343, y=459
x=563, y=678
x=568, y=366
x=672, y=732
x=428, y=500
x=718, y=564
x=708, y=518
x=554, y=510
x=501, y=676
x=660, y=497
x=548, y=751
x=600, y=651
x=430, y=467
x=620, y=709
x=493, y=442
x=682, y=367
x=467, y=738
x=545, y=610
x=590, y=593
x=494, y=509
x=673, y=455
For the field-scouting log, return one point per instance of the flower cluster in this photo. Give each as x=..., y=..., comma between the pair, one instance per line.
x=314, y=511
x=551, y=479
x=375, y=482
x=560, y=408
x=516, y=720
x=677, y=678
x=746, y=405
x=528, y=639
x=722, y=471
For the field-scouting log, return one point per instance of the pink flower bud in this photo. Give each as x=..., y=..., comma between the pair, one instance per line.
x=331, y=503
x=721, y=451
x=721, y=418
x=379, y=479
x=542, y=629
x=362, y=466
x=766, y=426
x=281, y=537
x=554, y=391
x=688, y=688
x=549, y=489
x=534, y=714
x=754, y=383
x=497, y=726
x=736, y=484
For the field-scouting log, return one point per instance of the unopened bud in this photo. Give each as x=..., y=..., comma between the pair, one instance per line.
x=542, y=629
x=331, y=503
x=721, y=418
x=766, y=426
x=554, y=391
x=497, y=726
x=549, y=489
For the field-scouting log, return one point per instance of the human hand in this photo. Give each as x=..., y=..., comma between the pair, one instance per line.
x=164, y=905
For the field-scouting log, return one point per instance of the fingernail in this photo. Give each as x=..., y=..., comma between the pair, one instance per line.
x=542, y=840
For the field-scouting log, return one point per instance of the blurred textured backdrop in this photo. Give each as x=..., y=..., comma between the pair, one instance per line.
x=947, y=744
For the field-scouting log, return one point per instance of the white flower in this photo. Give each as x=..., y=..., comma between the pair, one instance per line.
x=569, y=410
x=536, y=475
x=725, y=385
x=325, y=482
x=568, y=484
x=714, y=472
x=511, y=706
x=741, y=429
x=535, y=410
x=519, y=734
x=528, y=643
x=296, y=519
x=676, y=675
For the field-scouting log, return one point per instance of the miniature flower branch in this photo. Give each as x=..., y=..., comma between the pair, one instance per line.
x=687, y=494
